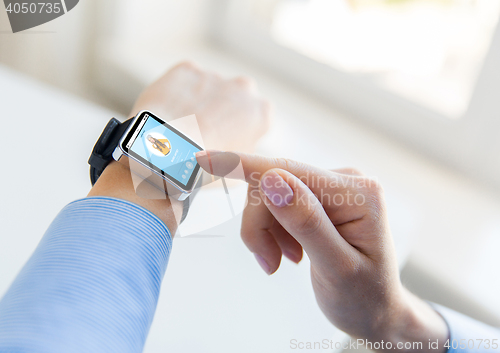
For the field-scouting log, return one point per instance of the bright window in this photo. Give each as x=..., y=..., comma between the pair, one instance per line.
x=424, y=71
x=427, y=51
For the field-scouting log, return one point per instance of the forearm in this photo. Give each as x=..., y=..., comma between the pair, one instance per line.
x=92, y=284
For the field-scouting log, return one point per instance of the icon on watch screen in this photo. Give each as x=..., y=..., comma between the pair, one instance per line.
x=158, y=144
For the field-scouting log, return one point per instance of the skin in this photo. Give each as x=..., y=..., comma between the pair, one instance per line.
x=353, y=261
x=354, y=270
x=220, y=106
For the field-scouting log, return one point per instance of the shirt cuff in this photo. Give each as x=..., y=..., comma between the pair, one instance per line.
x=467, y=334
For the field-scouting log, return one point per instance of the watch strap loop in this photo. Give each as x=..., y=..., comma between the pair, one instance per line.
x=102, y=154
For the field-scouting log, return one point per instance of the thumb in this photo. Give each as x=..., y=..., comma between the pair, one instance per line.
x=300, y=212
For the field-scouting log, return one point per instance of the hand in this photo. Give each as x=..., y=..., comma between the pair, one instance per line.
x=223, y=108
x=339, y=218
x=230, y=113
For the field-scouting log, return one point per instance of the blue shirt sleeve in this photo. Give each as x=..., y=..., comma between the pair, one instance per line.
x=467, y=334
x=91, y=285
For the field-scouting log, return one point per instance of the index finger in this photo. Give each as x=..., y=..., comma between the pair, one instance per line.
x=224, y=164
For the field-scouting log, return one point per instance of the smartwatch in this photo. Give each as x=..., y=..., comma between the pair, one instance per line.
x=158, y=153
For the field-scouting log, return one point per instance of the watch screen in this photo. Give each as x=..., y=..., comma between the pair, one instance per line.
x=164, y=149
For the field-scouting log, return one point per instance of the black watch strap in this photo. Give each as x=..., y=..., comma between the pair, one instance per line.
x=102, y=154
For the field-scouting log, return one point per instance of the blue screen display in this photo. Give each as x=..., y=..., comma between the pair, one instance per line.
x=165, y=149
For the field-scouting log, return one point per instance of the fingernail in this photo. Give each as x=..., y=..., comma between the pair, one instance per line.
x=276, y=189
x=263, y=264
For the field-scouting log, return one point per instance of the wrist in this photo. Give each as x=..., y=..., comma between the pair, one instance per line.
x=412, y=326
x=116, y=181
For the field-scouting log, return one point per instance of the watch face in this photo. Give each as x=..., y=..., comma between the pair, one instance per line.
x=164, y=149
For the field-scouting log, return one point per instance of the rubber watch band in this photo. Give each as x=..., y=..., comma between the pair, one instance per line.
x=102, y=154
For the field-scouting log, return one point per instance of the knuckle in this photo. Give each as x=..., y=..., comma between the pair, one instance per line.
x=245, y=82
x=375, y=198
x=311, y=223
x=188, y=65
x=372, y=187
x=349, y=171
x=287, y=164
x=354, y=171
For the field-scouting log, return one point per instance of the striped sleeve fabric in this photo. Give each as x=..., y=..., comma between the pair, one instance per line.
x=92, y=284
x=468, y=335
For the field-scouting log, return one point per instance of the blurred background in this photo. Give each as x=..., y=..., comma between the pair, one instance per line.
x=405, y=90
